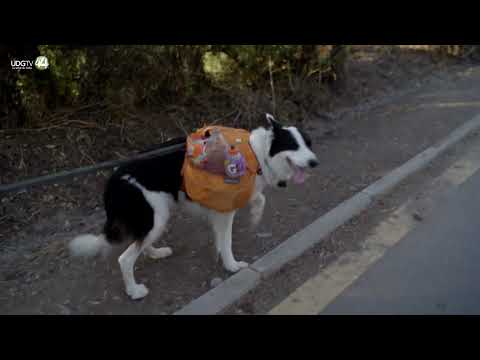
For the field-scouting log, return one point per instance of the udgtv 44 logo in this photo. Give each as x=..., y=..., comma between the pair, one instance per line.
x=41, y=63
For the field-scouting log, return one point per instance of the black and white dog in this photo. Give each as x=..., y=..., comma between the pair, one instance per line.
x=140, y=197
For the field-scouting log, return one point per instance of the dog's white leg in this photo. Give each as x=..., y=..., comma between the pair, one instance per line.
x=222, y=227
x=129, y=257
x=217, y=247
x=162, y=252
x=161, y=204
x=127, y=262
x=257, y=206
x=217, y=221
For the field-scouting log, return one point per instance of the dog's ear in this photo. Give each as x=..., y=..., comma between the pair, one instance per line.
x=274, y=124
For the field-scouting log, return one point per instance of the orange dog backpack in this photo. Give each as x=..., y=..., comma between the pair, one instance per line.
x=220, y=168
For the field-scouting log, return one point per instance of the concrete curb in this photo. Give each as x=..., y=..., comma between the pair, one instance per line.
x=300, y=242
x=232, y=289
x=223, y=295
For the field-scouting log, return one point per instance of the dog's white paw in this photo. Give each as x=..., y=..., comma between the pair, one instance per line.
x=236, y=266
x=159, y=253
x=137, y=292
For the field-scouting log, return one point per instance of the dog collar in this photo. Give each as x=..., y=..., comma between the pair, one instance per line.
x=259, y=170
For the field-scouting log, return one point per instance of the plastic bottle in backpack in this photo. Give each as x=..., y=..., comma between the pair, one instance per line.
x=234, y=163
x=215, y=152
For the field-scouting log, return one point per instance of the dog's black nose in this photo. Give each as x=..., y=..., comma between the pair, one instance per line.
x=313, y=163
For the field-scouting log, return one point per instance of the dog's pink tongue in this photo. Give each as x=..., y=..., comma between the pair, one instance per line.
x=299, y=177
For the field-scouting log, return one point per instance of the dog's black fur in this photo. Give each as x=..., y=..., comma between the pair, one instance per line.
x=127, y=211
x=283, y=140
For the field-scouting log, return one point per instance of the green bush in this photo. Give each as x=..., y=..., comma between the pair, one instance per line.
x=150, y=75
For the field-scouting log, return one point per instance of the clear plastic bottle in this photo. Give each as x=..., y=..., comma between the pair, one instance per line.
x=215, y=149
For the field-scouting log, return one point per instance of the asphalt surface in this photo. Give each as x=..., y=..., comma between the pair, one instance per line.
x=432, y=271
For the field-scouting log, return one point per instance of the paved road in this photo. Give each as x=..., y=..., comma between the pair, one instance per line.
x=435, y=269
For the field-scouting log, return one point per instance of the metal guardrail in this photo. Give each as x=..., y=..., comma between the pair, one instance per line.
x=65, y=175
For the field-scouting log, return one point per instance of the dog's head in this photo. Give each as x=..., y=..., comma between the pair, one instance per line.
x=290, y=153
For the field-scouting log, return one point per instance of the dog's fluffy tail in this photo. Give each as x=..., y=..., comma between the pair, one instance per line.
x=89, y=245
